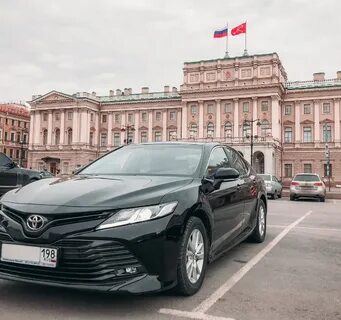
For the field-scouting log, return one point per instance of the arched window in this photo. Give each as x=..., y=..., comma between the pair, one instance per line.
x=193, y=130
x=57, y=137
x=228, y=129
x=246, y=129
x=69, y=136
x=210, y=130
x=265, y=126
x=45, y=137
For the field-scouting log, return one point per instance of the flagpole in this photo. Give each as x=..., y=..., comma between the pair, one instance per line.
x=227, y=41
x=245, y=45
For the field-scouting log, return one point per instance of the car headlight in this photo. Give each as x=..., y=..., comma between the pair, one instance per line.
x=134, y=215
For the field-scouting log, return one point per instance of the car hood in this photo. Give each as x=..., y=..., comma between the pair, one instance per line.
x=90, y=192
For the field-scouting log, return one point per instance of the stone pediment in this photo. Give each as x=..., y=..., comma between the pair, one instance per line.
x=288, y=122
x=307, y=122
x=143, y=128
x=172, y=127
x=157, y=128
x=327, y=121
x=54, y=96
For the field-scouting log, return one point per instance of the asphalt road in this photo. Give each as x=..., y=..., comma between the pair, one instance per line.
x=294, y=274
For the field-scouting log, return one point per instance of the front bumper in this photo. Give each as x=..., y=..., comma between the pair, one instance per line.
x=135, y=259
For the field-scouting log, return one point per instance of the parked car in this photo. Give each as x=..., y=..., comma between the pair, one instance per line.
x=46, y=174
x=141, y=218
x=273, y=185
x=307, y=185
x=12, y=176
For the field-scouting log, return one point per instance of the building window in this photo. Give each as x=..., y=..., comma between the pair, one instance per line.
x=130, y=117
x=117, y=139
x=307, y=109
x=25, y=138
x=19, y=123
x=288, y=135
x=45, y=137
x=69, y=136
x=265, y=126
x=288, y=170
x=144, y=117
x=11, y=153
x=246, y=129
x=172, y=115
x=6, y=136
x=12, y=137
x=91, y=138
x=326, y=107
x=307, y=168
x=130, y=136
x=265, y=106
x=307, y=134
x=18, y=137
x=327, y=133
x=193, y=130
x=287, y=110
x=228, y=107
x=65, y=168
x=25, y=124
x=117, y=117
x=228, y=130
x=210, y=108
x=158, y=136
x=69, y=115
x=104, y=141
x=57, y=116
x=45, y=116
x=326, y=171
x=57, y=137
x=17, y=154
x=91, y=117
x=158, y=116
x=171, y=135
x=245, y=107
x=144, y=137
x=104, y=118
x=210, y=130
x=194, y=109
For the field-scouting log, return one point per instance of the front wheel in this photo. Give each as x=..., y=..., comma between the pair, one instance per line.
x=192, y=260
x=323, y=199
x=258, y=234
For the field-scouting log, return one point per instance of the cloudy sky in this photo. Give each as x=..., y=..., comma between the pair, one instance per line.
x=98, y=45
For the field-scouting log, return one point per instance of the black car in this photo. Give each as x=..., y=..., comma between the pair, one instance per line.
x=12, y=176
x=145, y=217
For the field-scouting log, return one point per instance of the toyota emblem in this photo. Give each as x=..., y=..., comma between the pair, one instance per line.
x=35, y=222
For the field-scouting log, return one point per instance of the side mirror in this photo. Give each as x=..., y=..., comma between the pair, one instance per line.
x=11, y=165
x=226, y=174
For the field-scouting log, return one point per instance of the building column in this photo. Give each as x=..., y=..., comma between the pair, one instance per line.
x=83, y=125
x=236, y=118
x=31, y=134
x=123, y=123
x=255, y=115
x=109, y=130
x=275, y=118
x=337, y=122
x=178, y=123
x=150, y=126
x=136, y=126
x=201, y=119
x=317, y=137
x=62, y=127
x=49, y=127
x=164, y=125
x=217, y=118
x=75, y=126
x=297, y=122
x=183, y=121
x=96, y=136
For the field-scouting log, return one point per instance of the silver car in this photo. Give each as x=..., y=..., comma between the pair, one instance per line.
x=273, y=185
x=307, y=185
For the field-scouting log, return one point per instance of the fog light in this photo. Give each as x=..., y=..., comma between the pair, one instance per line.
x=131, y=270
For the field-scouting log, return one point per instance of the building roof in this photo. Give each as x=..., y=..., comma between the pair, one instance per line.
x=140, y=97
x=15, y=109
x=313, y=84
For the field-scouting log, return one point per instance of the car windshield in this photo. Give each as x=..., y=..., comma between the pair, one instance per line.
x=306, y=177
x=150, y=159
x=265, y=177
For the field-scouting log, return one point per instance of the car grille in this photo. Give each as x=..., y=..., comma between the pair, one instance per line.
x=82, y=262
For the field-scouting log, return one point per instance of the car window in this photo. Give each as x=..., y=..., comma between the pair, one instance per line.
x=218, y=159
x=274, y=179
x=306, y=177
x=265, y=177
x=236, y=161
x=4, y=160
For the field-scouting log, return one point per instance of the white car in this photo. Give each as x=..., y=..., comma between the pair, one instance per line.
x=273, y=185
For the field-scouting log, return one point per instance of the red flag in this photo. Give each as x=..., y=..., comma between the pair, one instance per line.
x=239, y=29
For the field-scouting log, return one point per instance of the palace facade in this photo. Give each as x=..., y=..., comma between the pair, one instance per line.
x=237, y=101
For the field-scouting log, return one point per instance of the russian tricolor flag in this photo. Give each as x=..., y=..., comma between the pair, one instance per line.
x=220, y=33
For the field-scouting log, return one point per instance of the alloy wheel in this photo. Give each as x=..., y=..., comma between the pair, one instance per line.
x=195, y=256
x=261, y=220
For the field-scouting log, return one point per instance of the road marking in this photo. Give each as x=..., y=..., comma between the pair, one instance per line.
x=215, y=296
x=303, y=228
x=191, y=315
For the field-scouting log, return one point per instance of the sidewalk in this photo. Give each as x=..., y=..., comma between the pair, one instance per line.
x=334, y=193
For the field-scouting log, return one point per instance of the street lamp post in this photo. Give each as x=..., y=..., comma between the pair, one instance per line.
x=128, y=128
x=250, y=123
x=327, y=152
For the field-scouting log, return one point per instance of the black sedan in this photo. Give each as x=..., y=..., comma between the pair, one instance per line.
x=145, y=217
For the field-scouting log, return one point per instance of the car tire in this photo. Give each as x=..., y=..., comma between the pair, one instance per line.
x=275, y=195
x=323, y=199
x=292, y=197
x=187, y=284
x=280, y=195
x=259, y=232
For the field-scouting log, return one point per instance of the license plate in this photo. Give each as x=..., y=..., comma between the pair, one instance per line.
x=34, y=256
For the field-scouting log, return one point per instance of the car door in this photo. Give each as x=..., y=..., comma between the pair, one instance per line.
x=278, y=184
x=247, y=182
x=226, y=202
x=8, y=176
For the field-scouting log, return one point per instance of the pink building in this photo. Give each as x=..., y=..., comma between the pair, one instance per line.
x=226, y=100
